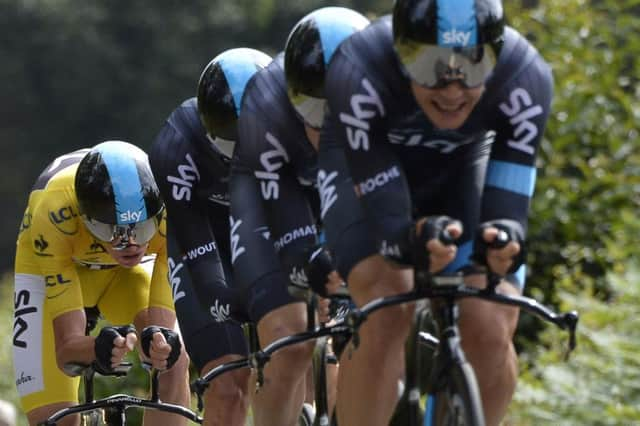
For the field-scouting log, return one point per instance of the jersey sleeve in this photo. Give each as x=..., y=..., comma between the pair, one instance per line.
x=273, y=225
x=353, y=152
x=173, y=163
x=521, y=115
x=160, y=292
x=52, y=245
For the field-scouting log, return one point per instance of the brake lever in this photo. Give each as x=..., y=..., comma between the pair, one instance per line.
x=198, y=387
x=353, y=320
x=258, y=360
x=570, y=321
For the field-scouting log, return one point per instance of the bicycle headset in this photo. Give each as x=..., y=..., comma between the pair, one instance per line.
x=308, y=50
x=442, y=41
x=118, y=198
x=220, y=90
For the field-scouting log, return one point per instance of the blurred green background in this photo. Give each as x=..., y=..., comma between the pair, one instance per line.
x=76, y=73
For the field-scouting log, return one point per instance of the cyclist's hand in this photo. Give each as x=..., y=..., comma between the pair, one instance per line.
x=498, y=245
x=161, y=346
x=321, y=274
x=159, y=351
x=113, y=344
x=499, y=260
x=440, y=253
x=334, y=282
x=122, y=346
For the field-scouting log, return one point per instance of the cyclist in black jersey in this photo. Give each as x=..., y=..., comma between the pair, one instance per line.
x=190, y=159
x=440, y=109
x=274, y=201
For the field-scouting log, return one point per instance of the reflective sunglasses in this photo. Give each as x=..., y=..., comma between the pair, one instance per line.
x=225, y=146
x=122, y=236
x=434, y=67
x=310, y=109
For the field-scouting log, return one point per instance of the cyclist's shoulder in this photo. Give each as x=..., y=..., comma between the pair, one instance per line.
x=267, y=86
x=265, y=105
x=268, y=126
x=179, y=132
x=520, y=65
x=60, y=171
x=370, y=45
x=53, y=195
x=367, y=61
x=179, y=141
x=158, y=243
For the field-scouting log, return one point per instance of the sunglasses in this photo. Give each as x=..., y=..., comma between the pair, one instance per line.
x=310, y=109
x=122, y=236
x=434, y=67
x=225, y=146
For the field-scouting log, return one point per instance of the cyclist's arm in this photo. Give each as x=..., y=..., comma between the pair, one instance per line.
x=273, y=226
x=71, y=343
x=521, y=114
x=353, y=151
x=188, y=222
x=63, y=288
x=160, y=291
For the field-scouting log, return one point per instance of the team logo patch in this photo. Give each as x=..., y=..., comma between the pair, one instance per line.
x=64, y=219
x=41, y=246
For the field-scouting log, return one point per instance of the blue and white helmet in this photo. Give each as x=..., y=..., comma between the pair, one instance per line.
x=307, y=53
x=117, y=193
x=220, y=90
x=442, y=41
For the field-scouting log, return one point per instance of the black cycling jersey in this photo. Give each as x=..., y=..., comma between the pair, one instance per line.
x=274, y=204
x=193, y=180
x=404, y=167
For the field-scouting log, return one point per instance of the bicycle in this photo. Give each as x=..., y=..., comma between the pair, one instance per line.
x=453, y=397
x=111, y=410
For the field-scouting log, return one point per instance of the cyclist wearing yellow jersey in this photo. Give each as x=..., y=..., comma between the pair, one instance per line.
x=92, y=236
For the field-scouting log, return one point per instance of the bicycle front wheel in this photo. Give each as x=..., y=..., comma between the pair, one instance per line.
x=458, y=403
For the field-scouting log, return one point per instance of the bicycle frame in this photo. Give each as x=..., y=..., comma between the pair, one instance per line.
x=120, y=402
x=447, y=290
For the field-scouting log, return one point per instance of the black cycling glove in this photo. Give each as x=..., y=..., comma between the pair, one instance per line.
x=318, y=267
x=508, y=230
x=170, y=336
x=411, y=248
x=104, y=346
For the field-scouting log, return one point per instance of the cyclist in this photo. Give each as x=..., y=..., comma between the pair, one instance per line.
x=440, y=110
x=190, y=159
x=89, y=236
x=274, y=202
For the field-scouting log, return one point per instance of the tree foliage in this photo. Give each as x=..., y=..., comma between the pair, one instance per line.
x=584, y=220
x=77, y=73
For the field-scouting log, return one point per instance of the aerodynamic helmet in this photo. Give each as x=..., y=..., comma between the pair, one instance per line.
x=117, y=193
x=307, y=53
x=220, y=90
x=441, y=41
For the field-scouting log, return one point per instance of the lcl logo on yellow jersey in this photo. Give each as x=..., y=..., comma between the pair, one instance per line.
x=62, y=220
x=52, y=280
